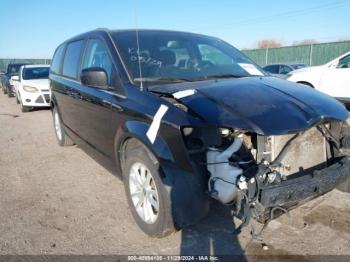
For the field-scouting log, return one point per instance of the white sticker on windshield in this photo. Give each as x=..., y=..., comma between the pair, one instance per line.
x=154, y=127
x=184, y=93
x=251, y=69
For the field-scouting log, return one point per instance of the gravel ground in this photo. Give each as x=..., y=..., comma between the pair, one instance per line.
x=56, y=200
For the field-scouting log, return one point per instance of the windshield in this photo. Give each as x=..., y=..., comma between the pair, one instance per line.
x=35, y=73
x=298, y=66
x=13, y=69
x=175, y=57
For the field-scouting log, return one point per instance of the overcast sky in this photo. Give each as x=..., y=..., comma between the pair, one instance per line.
x=34, y=28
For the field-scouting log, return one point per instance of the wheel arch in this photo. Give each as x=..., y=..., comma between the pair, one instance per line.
x=137, y=130
x=53, y=101
x=187, y=189
x=306, y=83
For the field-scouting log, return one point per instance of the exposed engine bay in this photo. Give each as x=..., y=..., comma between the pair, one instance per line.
x=264, y=176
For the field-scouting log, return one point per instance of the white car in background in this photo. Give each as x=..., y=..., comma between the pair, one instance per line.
x=32, y=87
x=332, y=78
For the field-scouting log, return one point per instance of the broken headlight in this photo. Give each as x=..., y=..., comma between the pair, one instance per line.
x=197, y=138
x=192, y=138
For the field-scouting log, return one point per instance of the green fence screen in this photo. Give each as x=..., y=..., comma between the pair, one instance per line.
x=5, y=61
x=316, y=54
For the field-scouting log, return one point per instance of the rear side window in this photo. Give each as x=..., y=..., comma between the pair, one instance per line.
x=57, y=59
x=71, y=60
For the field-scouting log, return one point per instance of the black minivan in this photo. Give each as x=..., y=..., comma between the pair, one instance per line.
x=184, y=118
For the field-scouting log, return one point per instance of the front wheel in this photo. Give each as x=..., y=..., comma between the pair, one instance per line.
x=147, y=196
x=9, y=92
x=25, y=109
x=345, y=186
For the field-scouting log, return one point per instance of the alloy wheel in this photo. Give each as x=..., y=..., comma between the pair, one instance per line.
x=144, y=193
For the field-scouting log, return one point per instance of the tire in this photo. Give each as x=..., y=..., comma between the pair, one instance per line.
x=62, y=138
x=9, y=92
x=345, y=186
x=25, y=109
x=153, y=214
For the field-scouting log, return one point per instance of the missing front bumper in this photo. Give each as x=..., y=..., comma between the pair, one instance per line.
x=291, y=192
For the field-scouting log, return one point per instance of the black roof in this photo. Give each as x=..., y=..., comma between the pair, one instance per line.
x=108, y=31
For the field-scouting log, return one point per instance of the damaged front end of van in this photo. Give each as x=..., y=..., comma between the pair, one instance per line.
x=268, y=144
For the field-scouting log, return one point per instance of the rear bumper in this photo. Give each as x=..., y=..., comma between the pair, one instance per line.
x=292, y=191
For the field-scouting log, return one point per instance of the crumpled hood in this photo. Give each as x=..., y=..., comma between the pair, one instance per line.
x=38, y=83
x=265, y=105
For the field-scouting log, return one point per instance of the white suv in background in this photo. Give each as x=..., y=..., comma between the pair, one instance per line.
x=32, y=86
x=332, y=78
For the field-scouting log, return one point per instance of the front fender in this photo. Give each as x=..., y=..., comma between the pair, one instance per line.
x=138, y=129
x=186, y=189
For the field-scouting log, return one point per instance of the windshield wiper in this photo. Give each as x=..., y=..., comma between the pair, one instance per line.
x=161, y=79
x=223, y=76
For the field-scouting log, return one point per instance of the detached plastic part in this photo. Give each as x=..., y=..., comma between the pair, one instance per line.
x=223, y=176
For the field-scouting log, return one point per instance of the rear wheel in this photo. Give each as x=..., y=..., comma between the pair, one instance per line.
x=149, y=201
x=62, y=138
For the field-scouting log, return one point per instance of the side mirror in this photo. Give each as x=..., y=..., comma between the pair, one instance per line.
x=94, y=77
x=15, y=78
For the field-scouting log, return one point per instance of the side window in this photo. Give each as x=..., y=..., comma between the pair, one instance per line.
x=344, y=62
x=96, y=55
x=212, y=54
x=57, y=59
x=284, y=69
x=273, y=69
x=71, y=60
x=180, y=52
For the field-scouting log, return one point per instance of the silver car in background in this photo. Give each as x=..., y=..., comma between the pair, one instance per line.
x=282, y=69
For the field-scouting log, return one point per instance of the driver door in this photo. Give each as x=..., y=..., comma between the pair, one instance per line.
x=335, y=80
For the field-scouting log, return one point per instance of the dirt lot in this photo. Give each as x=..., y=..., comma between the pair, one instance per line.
x=57, y=200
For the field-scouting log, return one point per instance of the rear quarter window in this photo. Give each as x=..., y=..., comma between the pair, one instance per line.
x=71, y=62
x=57, y=59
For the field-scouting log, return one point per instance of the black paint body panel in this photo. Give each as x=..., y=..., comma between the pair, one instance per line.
x=264, y=105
